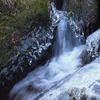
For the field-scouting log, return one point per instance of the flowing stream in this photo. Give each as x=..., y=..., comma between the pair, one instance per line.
x=66, y=60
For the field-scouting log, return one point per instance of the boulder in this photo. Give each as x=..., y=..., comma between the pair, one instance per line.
x=93, y=44
x=92, y=50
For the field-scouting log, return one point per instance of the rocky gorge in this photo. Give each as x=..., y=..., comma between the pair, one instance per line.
x=37, y=44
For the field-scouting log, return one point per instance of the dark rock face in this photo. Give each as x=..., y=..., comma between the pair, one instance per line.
x=92, y=50
x=98, y=20
x=85, y=10
x=58, y=4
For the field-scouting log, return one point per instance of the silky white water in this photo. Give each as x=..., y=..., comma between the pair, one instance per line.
x=65, y=37
x=54, y=70
x=46, y=76
x=66, y=51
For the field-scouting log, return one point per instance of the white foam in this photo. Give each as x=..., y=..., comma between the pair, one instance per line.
x=81, y=83
x=46, y=76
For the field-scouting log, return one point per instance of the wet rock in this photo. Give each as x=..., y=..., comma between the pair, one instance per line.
x=86, y=10
x=85, y=58
x=93, y=44
x=54, y=15
x=92, y=50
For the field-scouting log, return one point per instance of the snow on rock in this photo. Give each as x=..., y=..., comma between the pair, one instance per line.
x=84, y=84
x=93, y=43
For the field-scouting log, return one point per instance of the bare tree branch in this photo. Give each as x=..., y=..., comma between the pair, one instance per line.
x=9, y=3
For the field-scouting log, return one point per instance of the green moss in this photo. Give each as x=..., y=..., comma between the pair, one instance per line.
x=13, y=24
x=71, y=14
x=95, y=4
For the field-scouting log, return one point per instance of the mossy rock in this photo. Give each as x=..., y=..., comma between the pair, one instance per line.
x=14, y=20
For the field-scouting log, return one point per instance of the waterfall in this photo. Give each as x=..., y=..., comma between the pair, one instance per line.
x=64, y=5
x=67, y=50
x=65, y=38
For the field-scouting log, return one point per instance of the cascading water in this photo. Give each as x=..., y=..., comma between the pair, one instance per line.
x=65, y=38
x=64, y=5
x=44, y=77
